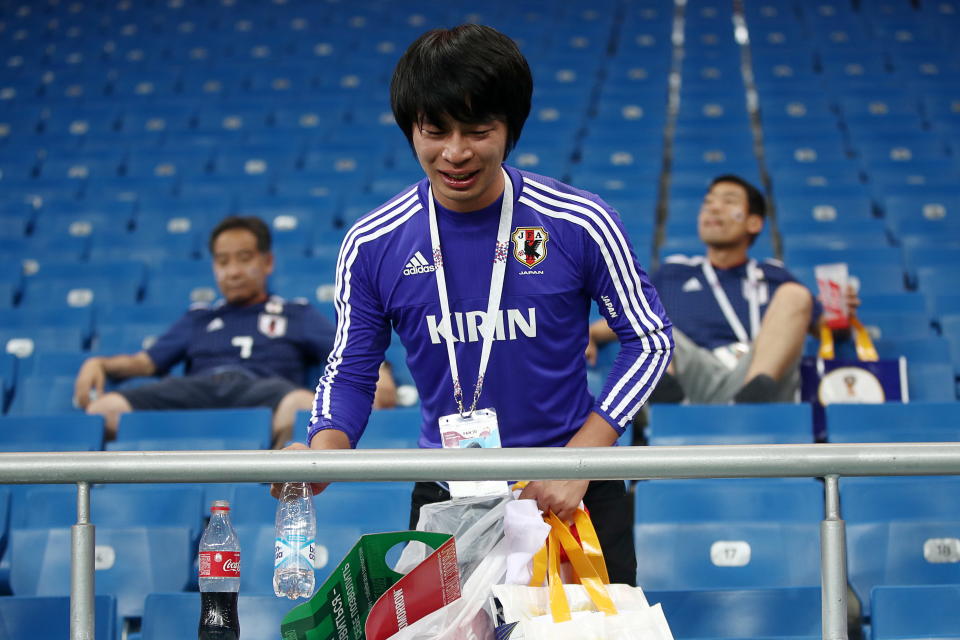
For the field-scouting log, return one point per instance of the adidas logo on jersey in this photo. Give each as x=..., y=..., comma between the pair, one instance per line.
x=418, y=264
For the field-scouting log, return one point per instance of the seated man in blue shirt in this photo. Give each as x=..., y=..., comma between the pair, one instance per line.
x=739, y=323
x=248, y=349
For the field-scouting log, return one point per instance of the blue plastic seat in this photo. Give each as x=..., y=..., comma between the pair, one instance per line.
x=48, y=617
x=738, y=424
x=114, y=505
x=741, y=614
x=43, y=396
x=397, y=428
x=933, y=381
x=133, y=561
x=175, y=615
x=46, y=433
x=710, y=534
x=894, y=526
x=894, y=422
x=920, y=611
x=245, y=426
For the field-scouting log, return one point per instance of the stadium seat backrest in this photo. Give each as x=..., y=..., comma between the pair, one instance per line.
x=176, y=615
x=130, y=563
x=741, y=614
x=397, y=428
x=736, y=424
x=893, y=422
x=47, y=433
x=48, y=617
x=727, y=534
x=922, y=611
x=901, y=531
x=243, y=424
x=117, y=505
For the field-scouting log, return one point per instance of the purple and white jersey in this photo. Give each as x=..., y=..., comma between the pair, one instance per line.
x=567, y=248
x=273, y=338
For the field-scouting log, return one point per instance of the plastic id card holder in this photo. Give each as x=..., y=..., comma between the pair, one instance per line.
x=479, y=431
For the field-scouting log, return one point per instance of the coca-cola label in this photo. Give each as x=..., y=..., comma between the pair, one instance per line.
x=219, y=564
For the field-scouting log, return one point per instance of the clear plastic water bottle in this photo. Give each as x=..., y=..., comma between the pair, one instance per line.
x=296, y=542
x=219, y=576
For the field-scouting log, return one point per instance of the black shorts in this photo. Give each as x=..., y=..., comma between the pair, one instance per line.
x=611, y=510
x=215, y=391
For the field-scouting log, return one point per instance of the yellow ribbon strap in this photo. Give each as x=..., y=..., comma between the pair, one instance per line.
x=591, y=543
x=865, y=349
x=826, y=342
x=539, y=566
x=559, y=606
x=584, y=569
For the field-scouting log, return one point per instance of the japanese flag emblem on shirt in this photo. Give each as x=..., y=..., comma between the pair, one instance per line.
x=272, y=326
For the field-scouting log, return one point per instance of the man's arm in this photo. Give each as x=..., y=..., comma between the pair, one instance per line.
x=94, y=372
x=564, y=496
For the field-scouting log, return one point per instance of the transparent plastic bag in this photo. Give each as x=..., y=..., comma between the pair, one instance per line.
x=476, y=523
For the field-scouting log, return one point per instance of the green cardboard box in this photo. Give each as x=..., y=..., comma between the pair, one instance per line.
x=364, y=599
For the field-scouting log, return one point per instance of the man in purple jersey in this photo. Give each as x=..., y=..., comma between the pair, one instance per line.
x=249, y=349
x=740, y=323
x=487, y=275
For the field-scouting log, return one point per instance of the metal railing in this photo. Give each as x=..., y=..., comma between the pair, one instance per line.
x=827, y=461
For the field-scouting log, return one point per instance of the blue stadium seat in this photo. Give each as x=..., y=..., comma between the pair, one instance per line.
x=899, y=532
x=235, y=428
x=741, y=614
x=894, y=422
x=48, y=617
x=61, y=285
x=933, y=381
x=397, y=428
x=114, y=505
x=44, y=396
x=47, y=433
x=738, y=424
x=133, y=562
x=175, y=615
x=921, y=611
x=710, y=534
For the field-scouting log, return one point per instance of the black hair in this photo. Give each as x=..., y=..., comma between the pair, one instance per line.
x=756, y=203
x=253, y=224
x=471, y=73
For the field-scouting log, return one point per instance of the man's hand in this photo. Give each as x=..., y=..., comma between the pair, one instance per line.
x=560, y=496
x=277, y=487
x=386, y=394
x=92, y=376
x=591, y=352
x=852, y=300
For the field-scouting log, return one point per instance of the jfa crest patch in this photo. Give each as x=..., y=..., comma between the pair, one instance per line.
x=272, y=326
x=530, y=245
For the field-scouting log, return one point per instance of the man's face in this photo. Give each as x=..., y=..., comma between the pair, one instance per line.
x=724, y=219
x=240, y=268
x=462, y=161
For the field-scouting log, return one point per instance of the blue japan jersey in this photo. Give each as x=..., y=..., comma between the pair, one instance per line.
x=567, y=249
x=689, y=300
x=274, y=338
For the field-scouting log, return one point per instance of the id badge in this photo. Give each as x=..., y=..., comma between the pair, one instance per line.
x=479, y=431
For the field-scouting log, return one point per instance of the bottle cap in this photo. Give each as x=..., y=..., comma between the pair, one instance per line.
x=220, y=505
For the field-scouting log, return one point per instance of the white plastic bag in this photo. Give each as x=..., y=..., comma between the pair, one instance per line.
x=490, y=532
x=476, y=523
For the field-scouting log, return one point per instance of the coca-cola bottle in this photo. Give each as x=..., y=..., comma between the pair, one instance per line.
x=219, y=576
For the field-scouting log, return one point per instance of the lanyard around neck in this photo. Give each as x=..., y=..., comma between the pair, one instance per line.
x=489, y=324
x=753, y=300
